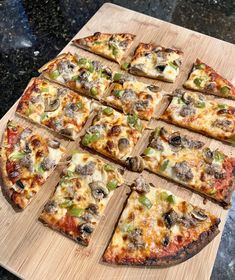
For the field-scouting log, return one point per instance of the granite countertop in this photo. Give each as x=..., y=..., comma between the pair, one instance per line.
x=33, y=32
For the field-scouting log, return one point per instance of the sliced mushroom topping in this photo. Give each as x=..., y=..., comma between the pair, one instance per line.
x=67, y=131
x=187, y=220
x=175, y=139
x=136, y=239
x=233, y=171
x=87, y=217
x=97, y=65
x=135, y=164
x=215, y=170
x=51, y=105
x=14, y=174
x=47, y=164
x=160, y=68
x=137, y=69
x=128, y=96
x=153, y=88
x=141, y=105
x=53, y=143
x=50, y=207
x=87, y=169
x=211, y=86
x=177, y=62
x=224, y=124
x=140, y=185
x=70, y=109
x=20, y=184
x=66, y=66
x=123, y=144
x=157, y=144
x=36, y=99
x=187, y=110
x=187, y=98
x=199, y=215
x=25, y=133
x=183, y=171
x=27, y=149
x=99, y=128
x=98, y=190
x=93, y=209
x=86, y=228
x=170, y=218
x=207, y=155
x=61, y=91
x=27, y=162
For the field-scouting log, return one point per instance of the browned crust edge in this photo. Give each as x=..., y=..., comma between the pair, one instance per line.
x=182, y=255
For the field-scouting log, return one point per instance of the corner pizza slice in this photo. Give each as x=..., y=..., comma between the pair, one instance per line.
x=205, y=79
x=133, y=97
x=81, y=197
x=79, y=73
x=113, y=134
x=156, y=62
x=60, y=109
x=190, y=163
x=112, y=46
x=202, y=114
x=157, y=228
x=27, y=159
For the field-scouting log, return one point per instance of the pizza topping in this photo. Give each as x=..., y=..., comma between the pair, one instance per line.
x=225, y=90
x=27, y=162
x=187, y=110
x=170, y=218
x=156, y=144
x=141, y=105
x=166, y=241
x=115, y=130
x=145, y=201
x=53, y=143
x=51, y=105
x=191, y=144
x=141, y=186
x=199, y=215
x=67, y=131
x=175, y=139
x=93, y=209
x=207, y=155
x=123, y=144
x=20, y=184
x=86, y=228
x=135, y=164
x=47, y=164
x=98, y=190
x=87, y=169
x=216, y=171
x=50, y=207
x=183, y=171
x=136, y=240
x=224, y=124
x=25, y=133
x=128, y=96
x=153, y=88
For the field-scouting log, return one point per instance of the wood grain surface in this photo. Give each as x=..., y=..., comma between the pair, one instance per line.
x=33, y=251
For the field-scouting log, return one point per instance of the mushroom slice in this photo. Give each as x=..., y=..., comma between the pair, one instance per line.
x=98, y=190
x=199, y=215
x=53, y=143
x=51, y=105
x=135, y=164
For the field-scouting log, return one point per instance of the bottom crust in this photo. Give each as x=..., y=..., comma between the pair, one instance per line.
x=182, y=255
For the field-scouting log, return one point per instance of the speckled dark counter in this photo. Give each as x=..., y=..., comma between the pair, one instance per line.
x=34, y=31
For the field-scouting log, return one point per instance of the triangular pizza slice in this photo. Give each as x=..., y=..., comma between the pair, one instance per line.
x=112, y=46
x=157, y=228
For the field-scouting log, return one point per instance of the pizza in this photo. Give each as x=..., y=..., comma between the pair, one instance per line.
x=79, y=73
x=202, y=114
x=156, y=62
x=27, y=159
x=113, y=134
x=133, y=97
x=157, y=228
x=190, y=163
x=205, y=79
x=58, y=108
x=112, y=46
x=81, y=197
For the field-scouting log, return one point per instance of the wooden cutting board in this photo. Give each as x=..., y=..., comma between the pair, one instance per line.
x=32, y=251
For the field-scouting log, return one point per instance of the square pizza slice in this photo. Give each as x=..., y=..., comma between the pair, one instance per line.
x=113, y=134
x=81, y=196
x=27, y=159
x=189, y=162
x=79, y=73
x=133, y=97
x=58, y=108
x=157, y=62
x=112, y=46
x=205, y=79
